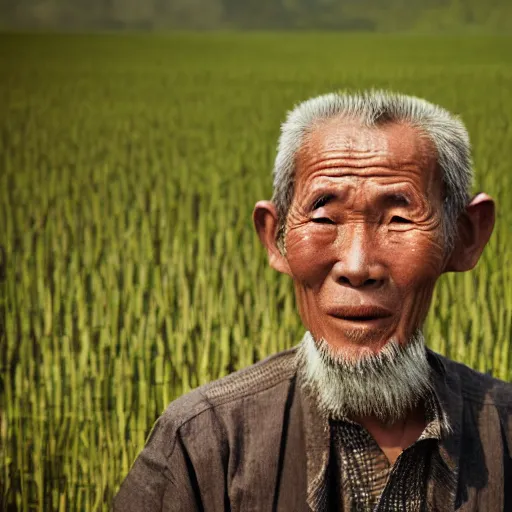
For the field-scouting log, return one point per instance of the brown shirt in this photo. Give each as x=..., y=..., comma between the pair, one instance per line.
x=254, y=441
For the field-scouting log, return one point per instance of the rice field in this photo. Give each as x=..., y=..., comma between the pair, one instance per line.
x=130, y=272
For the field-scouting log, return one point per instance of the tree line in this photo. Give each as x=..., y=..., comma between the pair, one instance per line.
x=361, y=15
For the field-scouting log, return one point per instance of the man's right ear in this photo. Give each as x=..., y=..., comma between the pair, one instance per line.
x=265, y=221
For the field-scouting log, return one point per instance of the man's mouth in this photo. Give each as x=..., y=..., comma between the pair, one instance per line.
x=362, y=314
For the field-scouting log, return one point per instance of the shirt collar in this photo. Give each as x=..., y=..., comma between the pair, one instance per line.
x=445, y=465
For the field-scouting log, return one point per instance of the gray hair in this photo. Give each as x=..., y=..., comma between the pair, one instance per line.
x=375, y=108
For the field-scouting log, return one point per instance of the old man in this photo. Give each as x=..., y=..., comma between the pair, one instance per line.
x=371, y=205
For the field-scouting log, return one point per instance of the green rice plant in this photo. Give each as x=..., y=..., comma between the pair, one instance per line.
x=130, y=272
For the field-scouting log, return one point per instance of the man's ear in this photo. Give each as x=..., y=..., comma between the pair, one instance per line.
x=265, y=220
x=475, y=227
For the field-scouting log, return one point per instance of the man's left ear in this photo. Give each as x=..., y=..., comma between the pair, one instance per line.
x=475, y=227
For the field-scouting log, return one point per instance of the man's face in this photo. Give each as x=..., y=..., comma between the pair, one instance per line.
x=364, y=239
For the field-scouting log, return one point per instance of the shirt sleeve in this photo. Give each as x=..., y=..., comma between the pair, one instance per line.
x=162, y=479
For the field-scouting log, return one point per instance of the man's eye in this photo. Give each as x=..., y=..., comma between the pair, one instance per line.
x=399, y=220
x=322, y=220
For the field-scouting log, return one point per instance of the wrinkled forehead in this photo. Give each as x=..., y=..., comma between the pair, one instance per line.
x=395, y=148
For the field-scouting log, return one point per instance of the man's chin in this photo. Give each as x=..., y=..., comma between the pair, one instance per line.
x=355, y=343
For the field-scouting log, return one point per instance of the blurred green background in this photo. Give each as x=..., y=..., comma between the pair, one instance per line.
x=129, y=268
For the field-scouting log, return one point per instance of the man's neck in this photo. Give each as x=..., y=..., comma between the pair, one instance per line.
x=394, y=438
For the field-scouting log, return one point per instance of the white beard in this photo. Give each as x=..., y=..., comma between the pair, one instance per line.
x=385, y=385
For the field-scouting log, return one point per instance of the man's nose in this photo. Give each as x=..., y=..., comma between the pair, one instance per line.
x=357, y=263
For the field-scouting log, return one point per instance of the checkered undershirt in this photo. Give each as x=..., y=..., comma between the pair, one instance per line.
x=363, y=478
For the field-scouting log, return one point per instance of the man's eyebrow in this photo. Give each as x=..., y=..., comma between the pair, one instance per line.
x=322, y=195
x=322, y=200
x=396, y=199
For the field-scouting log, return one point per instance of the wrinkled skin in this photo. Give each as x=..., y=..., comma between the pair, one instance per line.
x=377, y=239
x=364, y=230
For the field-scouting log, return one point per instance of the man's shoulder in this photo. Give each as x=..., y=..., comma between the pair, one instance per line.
x=257, y=379
x=479, y=387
